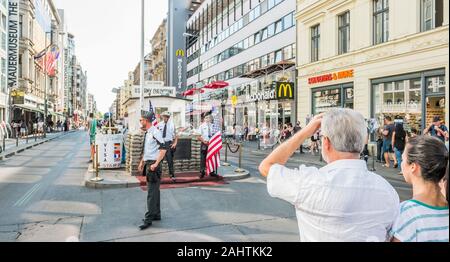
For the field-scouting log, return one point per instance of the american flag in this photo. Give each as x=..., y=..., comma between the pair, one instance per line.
x=152, y=111
x=48, y=58
x=215, y=145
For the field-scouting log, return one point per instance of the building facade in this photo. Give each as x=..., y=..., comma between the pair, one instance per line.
x=379, y=57
x=148, y=65
x=4, y=91
x=38, y=29
x=158, y=68
x=79, y=84
x=249, y=44
x=92, y=105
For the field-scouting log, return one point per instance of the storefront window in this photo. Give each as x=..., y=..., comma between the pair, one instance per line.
x=341, y=96
x=415, y=95
x=326, y=99
x=435, y=84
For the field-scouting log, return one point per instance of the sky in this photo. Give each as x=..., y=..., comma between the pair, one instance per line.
x=107, y=38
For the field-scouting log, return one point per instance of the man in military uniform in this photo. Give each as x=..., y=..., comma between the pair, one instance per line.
x=205, y=135
x=153, y=153
x=167, y=129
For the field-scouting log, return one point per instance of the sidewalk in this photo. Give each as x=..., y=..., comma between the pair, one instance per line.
x=308, y=159
x=120, y=179
x=23, y=144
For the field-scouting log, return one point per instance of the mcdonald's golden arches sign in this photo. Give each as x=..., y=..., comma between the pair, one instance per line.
x=285, y=90
x=180, y=53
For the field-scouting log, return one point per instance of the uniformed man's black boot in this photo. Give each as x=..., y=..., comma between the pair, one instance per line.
x=145, y=226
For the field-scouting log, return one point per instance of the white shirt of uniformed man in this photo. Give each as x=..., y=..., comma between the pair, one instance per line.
x=206, y=129
x=170, y=132
x=342, y=201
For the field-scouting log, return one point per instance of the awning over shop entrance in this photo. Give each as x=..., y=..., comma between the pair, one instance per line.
x=280, y=66
x=29, y=108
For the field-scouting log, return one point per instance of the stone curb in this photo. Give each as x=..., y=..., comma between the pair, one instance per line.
x=22, y=148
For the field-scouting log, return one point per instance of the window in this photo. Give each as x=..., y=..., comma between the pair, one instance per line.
x=432, y=14
x=21, y=26
x=278, y=56
x=271, y=4
x=380, y=21
x=257, y=38
x=344, y=32
x=263, y=7
x=271, y=58
x=435, y=85
x=271, y=30
x=278, y=26
x=264, y=61
x=251, y=41
x=288, y=21
x=245, y=43
x=287, y=53
x=264, y=34
x=315, y=38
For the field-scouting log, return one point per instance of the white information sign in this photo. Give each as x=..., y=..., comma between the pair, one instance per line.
x=109, y=150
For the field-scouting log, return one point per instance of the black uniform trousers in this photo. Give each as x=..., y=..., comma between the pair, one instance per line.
x=169, y=157
x=203, y=155
x=153, y=192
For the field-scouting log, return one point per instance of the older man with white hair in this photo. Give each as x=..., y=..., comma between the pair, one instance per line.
x=342, y=201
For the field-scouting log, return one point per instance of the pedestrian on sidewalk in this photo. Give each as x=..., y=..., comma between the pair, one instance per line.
x=425, y=218
x=168, y=131
x=92, y=127
x=387, y=142
x=23, y=129
x=297, y=128
x=399, y=141
x=150, y=165
x=437, y=129
x=342, y=201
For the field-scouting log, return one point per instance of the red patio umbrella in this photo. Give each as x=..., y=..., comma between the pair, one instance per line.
x=216, y=85
x=192, y=92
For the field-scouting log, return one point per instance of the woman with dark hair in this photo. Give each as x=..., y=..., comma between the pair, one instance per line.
x=444, y=184
x=424, y=218
x=398, y=142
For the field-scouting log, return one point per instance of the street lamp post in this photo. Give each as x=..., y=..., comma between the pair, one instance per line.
x=141, y=97
x=199, y=90
x=45, y=88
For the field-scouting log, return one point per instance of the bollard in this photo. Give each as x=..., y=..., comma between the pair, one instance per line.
x=96, y=164
x=27, y=136
x=239, y=169
x=4, y=144
x=373, y=159
x=259, y=141
x=35, y=136
x=226, y=155
x=17, y=141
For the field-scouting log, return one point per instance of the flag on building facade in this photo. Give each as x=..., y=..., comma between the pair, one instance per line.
x=48, y=59
x=152, y=111
x=215, y=145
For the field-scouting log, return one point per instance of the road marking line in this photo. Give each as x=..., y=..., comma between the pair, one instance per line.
x=27, y=196
x=30, y=196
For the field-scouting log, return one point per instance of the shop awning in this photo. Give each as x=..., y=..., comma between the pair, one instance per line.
x=29, y=108
x=280, y=66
